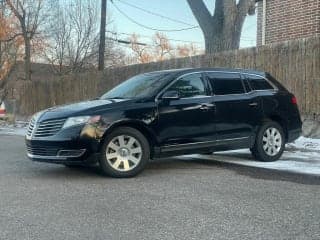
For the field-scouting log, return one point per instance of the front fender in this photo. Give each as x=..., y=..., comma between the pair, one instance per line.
x=99, y=131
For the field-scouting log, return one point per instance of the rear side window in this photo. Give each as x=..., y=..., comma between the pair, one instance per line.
x=225, y=83
x=258, y=83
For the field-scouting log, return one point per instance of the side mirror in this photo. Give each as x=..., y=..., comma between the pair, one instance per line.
x=171, y=95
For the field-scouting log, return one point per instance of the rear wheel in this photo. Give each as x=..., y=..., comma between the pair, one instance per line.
x=270, y=142
x=125, y=153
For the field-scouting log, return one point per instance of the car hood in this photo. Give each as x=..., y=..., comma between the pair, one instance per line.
x=81, y=108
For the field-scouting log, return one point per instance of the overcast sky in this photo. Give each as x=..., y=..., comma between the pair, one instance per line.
x=176, y=9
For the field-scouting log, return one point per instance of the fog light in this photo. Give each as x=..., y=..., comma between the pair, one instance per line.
x=71, y=153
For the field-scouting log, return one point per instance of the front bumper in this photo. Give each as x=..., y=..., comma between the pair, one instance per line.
x=69, y=146
x=63, y=152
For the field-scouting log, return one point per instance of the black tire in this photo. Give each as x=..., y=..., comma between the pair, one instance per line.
x=258, y=151
x=106, y=166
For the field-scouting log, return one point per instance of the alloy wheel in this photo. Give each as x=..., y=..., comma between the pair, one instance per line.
x=272, y=141
x=124, y=153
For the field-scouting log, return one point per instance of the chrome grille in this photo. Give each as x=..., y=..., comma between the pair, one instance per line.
x=49, y=128
x=31, y=126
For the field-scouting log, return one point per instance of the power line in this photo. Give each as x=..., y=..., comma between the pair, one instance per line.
x=177, y=40
x=146, y=44
x=157, y=14
x=127, y=42
x=151, y=28
x=145, y=36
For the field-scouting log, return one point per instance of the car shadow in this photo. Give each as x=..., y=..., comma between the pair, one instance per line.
x=74, y=172
x=255, y=172
x=160, y=166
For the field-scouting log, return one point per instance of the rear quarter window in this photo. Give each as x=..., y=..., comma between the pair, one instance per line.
x=258, y=83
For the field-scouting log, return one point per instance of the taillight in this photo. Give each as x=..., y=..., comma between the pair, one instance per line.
x=294, y=100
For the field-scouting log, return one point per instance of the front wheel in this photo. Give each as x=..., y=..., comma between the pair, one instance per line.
x=125, y=153
x=270, y=142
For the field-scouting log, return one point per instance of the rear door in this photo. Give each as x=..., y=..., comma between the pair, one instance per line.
x=237, y=110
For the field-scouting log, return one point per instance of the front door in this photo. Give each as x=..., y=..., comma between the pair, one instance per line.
x=189, y=119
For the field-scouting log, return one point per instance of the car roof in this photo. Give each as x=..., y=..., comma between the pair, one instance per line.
x=190, y=70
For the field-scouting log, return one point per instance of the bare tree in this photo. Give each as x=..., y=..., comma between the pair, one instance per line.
x=72, y=35
x=163, y=48
x=114, y=55
x=59, y=34
x=73, y=38
x=222, y=30
x=28, y=13
x=142, y=52
x=187, y=50
x=10, y=47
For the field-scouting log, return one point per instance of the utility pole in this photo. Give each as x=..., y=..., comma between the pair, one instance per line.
x=102, y=43
x=2, y=15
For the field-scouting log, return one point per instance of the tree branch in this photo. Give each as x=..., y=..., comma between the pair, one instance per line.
x=11, y=38
x=201, y=13
x=14, y=10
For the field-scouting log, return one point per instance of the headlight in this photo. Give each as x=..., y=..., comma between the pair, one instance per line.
x=74, y=121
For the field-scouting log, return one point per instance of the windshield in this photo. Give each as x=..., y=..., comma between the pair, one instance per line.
x=138, y=86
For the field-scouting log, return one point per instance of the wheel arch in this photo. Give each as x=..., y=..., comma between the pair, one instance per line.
x=138, y=125
x=281, y=121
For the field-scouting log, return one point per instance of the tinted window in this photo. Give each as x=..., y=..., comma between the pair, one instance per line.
x=189, y=86
x=258, y=83
x=246, y=85
x=275, y=82
x=226, y=83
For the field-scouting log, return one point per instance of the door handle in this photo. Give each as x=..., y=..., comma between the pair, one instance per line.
x=254, y=104
x=207, y=106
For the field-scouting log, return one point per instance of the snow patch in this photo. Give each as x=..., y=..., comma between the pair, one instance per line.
x=306, y=144
x=291, y=161
x=19, y=128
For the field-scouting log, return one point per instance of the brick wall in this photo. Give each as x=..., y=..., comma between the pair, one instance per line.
x=289, y=19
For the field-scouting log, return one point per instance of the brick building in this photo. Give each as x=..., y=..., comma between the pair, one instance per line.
x=281, y=20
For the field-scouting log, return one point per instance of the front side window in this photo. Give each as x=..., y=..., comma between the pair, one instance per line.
x=258, y=83
x=189, y=86
x=226, y=83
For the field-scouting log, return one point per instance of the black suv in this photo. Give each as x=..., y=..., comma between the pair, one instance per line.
x=168, y=113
